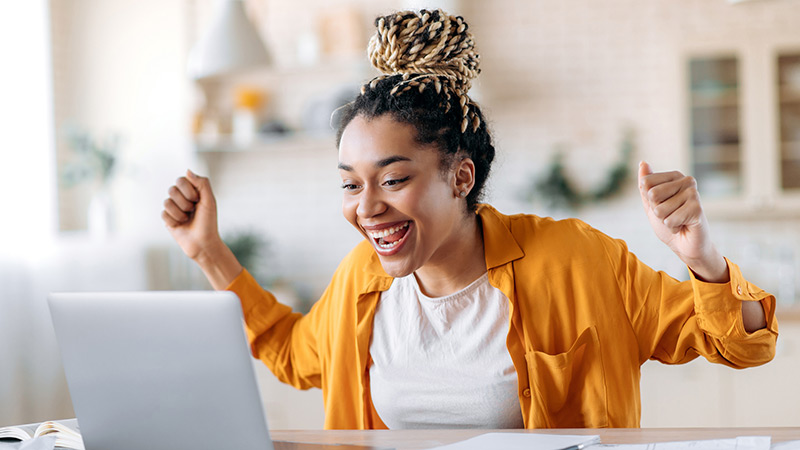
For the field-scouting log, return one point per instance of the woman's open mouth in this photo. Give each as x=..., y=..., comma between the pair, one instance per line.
x=389, y=240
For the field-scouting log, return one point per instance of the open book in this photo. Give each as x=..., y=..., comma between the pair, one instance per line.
x=66, y=432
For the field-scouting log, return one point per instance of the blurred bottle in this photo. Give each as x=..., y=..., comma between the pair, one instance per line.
x=245, y=120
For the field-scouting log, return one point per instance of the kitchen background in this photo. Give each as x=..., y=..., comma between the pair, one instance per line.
x=102, y=116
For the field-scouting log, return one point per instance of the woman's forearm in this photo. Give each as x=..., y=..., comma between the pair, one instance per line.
x=219, y=265
x=753, y=316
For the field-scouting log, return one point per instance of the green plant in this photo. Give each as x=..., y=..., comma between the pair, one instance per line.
x=93, y=159
x=556, y=188
x=559, y=192
x=254, y=253
x=252, y=250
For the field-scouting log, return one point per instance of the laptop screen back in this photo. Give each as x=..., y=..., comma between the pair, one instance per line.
x=159, y=370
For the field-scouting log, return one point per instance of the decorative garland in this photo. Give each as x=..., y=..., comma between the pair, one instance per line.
x=559, y=192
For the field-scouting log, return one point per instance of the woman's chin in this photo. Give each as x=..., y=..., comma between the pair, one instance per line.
x=396, y=269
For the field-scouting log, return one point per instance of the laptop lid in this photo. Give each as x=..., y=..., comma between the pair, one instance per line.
x=159, y=370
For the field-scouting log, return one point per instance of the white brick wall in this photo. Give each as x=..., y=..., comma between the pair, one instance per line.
x=571, y=72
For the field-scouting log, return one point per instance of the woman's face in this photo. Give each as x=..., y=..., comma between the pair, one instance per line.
x=396, y=195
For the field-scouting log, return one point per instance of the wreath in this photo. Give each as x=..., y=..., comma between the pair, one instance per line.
x=559, y=192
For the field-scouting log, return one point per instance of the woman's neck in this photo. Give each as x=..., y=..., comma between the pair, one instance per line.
x=459, y=261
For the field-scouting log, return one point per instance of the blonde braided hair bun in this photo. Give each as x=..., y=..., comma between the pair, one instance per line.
x=428, y=49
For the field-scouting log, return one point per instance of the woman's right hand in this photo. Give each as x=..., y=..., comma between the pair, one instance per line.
x=190, y=214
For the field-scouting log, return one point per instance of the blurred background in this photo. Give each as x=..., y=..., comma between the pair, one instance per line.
x=105, y=103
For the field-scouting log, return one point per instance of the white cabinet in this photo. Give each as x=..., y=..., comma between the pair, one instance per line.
x=742, y=110
x=701, y=394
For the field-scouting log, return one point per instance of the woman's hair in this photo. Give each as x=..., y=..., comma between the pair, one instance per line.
x=428, y=62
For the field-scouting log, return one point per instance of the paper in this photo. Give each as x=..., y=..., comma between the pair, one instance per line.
x=39, y=443
x=520, y=441
x=788, y=445
x=739, y=443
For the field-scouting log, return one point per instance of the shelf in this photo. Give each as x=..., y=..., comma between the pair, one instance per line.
x=726, y=99
x=790, y=151
x=277, y=143
x=713, y=154
x=789, y=94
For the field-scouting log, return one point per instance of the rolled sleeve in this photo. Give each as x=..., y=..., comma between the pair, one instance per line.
x=720, y=317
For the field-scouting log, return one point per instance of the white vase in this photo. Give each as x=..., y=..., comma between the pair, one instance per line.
x=101, y=214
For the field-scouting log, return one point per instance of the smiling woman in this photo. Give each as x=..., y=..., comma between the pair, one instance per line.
x=411, y=210
x=451, y=314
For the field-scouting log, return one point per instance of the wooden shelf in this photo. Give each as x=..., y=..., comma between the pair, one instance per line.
x=276, y=143
x=789, y=94
x=712, y=154
x=725, y=99
x=790, y=150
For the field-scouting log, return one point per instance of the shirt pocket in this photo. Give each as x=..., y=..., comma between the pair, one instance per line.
x=569, y=388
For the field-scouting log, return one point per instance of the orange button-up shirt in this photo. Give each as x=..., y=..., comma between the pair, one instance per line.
x=585, y=314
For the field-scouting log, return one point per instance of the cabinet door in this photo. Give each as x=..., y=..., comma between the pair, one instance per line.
x=715, y=125
x=788, y=96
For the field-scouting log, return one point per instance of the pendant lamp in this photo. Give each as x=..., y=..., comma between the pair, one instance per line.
x=231, y=43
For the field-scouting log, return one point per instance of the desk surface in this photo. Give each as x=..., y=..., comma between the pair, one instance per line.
x=422, y=439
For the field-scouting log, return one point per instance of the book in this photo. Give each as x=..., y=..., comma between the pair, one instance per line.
x=66, y=432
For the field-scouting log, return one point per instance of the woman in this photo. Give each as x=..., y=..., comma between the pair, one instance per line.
x=451, y=314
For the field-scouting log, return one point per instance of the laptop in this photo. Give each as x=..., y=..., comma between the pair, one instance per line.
x=159, y=370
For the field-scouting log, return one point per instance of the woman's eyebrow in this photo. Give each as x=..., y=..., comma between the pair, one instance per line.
x=390, y=160
x=379, y=164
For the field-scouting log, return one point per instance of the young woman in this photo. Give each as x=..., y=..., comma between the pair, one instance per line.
x=451, y=314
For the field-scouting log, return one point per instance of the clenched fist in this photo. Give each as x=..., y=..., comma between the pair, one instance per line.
x=673, y=207
x=190, y=213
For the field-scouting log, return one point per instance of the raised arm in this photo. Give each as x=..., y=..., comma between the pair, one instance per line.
x=283, y=339
x=190, y=213
x=673, y=207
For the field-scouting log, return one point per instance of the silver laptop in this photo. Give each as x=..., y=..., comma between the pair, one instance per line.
x=159, y=370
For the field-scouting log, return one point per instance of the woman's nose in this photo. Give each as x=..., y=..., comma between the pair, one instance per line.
x=370, y=203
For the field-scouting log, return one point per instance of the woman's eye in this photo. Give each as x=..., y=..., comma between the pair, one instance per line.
x=395, y=182
x=349, y=186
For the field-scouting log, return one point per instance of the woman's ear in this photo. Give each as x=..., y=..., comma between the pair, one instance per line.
x=464, y=177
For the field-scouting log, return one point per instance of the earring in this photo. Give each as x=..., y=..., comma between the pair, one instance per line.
x=462, y=194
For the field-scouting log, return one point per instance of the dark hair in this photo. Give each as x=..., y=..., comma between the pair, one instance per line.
x=428, y=61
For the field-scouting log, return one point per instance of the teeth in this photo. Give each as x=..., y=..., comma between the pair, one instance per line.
x=388, y=246
x=386, y=232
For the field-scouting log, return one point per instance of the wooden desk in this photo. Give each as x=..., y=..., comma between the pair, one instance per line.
x=422, y=439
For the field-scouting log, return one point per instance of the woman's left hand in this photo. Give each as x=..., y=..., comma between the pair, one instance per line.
x=672, y=204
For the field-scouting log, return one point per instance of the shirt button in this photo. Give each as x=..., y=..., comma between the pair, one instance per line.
x=739, y=289
x=526, y=392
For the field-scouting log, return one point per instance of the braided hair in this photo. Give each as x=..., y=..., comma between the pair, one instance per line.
x=428, y=61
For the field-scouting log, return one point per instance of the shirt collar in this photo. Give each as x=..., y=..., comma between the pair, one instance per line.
x=499, y=244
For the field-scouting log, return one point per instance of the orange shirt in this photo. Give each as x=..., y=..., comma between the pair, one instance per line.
x=585, y=315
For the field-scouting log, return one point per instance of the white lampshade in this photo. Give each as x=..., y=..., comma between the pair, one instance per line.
x=231, y=43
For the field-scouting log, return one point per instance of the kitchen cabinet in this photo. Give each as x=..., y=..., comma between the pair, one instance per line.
x=788, y=90
x=702, y=394
x=716, y=132
x=742, y=104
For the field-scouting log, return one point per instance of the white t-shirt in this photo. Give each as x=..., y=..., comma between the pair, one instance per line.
x=443, y=362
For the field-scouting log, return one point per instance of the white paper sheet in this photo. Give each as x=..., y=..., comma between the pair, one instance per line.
x=520, y=441
x=739, y=443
